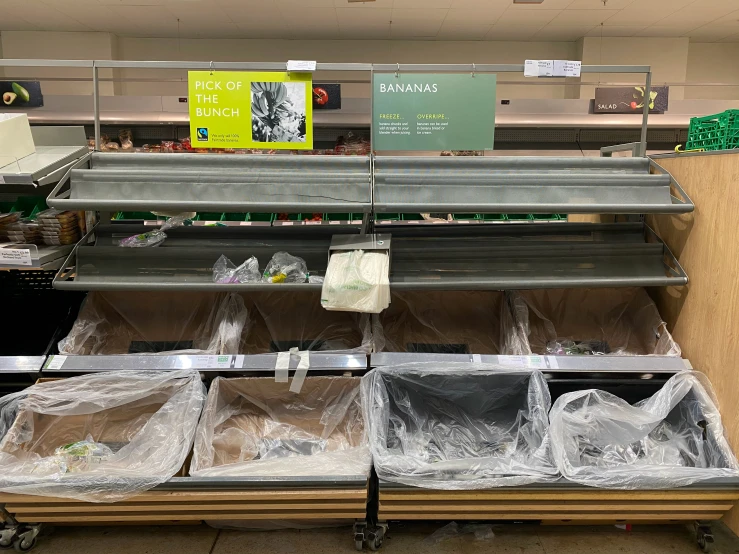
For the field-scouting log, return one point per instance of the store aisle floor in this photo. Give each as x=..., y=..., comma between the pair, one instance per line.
x=410, y=539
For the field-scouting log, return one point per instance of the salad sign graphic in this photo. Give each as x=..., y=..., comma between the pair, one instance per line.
x=630, y=100
x=230, y=109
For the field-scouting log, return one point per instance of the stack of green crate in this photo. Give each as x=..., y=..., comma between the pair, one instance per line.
x=714, y=132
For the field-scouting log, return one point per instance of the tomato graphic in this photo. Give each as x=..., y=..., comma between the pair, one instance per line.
x=633, y=105
x=320, y=96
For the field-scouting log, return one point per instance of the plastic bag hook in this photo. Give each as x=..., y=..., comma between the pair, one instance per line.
x=473, y=69
x=212, y=67
x=397, y=71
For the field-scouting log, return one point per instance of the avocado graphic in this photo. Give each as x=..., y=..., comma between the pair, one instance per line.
x=9, y=98
x=20, y=91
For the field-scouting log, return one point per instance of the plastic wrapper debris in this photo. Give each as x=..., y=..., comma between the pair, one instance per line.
x=457, y=426
x=158, y=322
x=285, y=268
x=157, y=236
x=285, y=320
x=448, y=322
x=357, y=281
x=102, y=437
x=671, y=439
x=258, y=427
x=224, y=271
x=480, y=531
x=591, y=321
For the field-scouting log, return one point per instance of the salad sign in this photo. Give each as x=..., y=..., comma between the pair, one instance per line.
x=433, y=111
x=233, y=109
x=630, y=100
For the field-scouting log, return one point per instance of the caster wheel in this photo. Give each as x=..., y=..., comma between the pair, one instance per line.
x=24, y=545
x=705, y=543
x=358, y=545
x=375, y=541
x=7, y=538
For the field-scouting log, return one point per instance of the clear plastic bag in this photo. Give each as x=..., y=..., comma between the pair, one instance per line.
x=622, y=321
x=286, y=268
x=257, y=427
x=157, y=236
x=671, y=439
x=357, y=281
x=224, y=271
x=157, y=322
x=457, y=426
x=449, y=322
x=102, y=437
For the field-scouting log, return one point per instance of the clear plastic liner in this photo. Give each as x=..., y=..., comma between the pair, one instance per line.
x=102, y=437
x=452, y=322
x=157, y=236
x=157, y=322
x=224, y=271
x=671, y=439
x=623, y=321
x=285, y=320
x=258, y=427
x=457, y=426
x=286, y=268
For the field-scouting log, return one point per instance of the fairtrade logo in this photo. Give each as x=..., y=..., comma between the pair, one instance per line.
x=202, y=134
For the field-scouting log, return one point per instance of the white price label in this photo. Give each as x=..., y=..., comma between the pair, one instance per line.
x=476, y=358
x=2, y=180
x=531, y=68
x=528, y=362
x=334, y=222
x=15, y=256
x=245, y=223
x=546, y=68
x=212, y=362
x=56, y=362
x=567, y=68
x=301, y=66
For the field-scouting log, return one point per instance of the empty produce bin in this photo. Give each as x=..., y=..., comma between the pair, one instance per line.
x=672, y=439
x=280, y=321
x=448, y=322
x=623, y=321
x=156, y=322
x=102, y=437
x=458, y=425
x=255, y=426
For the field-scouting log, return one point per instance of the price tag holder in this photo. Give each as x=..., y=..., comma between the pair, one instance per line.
x=56, y=362
x=15, y=256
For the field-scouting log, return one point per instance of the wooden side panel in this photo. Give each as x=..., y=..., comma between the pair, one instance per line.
x=704, y=316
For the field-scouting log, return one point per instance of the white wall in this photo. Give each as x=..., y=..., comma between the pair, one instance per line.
x=713, y=63
x=60, y=46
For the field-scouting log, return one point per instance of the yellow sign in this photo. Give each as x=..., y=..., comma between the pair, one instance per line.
x=235, y=109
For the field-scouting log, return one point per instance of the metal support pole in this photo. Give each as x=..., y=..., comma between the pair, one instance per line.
x=647, y=91
x=96, y=105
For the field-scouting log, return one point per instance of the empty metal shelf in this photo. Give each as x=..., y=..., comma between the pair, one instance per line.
x=46, y=166
x=525, y=257
x=525, y=185
x=219, y=182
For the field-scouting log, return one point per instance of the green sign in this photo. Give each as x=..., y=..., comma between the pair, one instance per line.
x=233, y=109
x=433, y=112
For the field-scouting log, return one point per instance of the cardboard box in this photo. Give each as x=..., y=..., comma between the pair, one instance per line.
x=16, y=140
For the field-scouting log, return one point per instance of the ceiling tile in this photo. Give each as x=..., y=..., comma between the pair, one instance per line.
x=731, y=38
x=731, y=17
x=711, y=33
x=527, y=17
x=376, y=4
x=304, y=4
x=450, y=31
x=419, y=15
x=642, y=16
x=477, y=15
x=666, y=31
x=400, y=29
x=562, y=33
x=421, y=4
x=615, y=30
x=134, y=2
x=40, y=16
x=364, y=16
x=512, y=32
x=547, y=5
x=691, y=14
x=472, y=4
x=310, y=17
x=583, y=17
x=364, y=32
x=598, y=4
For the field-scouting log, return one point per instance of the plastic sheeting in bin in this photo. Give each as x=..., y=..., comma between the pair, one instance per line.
x=254, y=426
x=623, y=321
x=284, y=320
x=671, y=439
x=157, y=322
x=447, y=322
x=458, y=425
x=102, y=437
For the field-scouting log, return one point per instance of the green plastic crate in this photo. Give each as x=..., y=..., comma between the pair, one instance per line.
x=519, y=217
x=545, y=217
x=494, y=217
x=264, y=217
x=387, y=217
x=209, y=216
x=146, y=216
x=562, y=217
x=411, y=217
x=474, y=217
x=29, y=206
x=339, y=217
x=714, y=132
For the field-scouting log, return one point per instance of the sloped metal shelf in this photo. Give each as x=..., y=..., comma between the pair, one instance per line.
x=324, y=362
x=21, y=364
x=185, y=260
x=501, y=257
x=525, y=185
x=218, y=182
